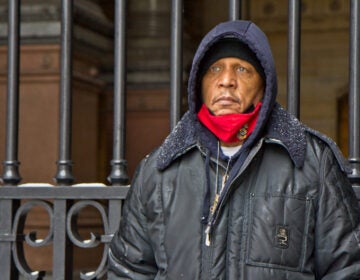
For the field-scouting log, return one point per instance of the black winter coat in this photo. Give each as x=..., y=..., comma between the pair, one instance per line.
x=277, y=221
x=287, y=211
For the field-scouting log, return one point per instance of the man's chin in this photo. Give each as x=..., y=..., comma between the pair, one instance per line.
x=222, y=112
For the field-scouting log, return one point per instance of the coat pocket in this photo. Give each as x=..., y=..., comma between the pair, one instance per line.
x=278, y=234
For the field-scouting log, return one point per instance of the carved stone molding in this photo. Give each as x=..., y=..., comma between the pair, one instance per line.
x=40, y=21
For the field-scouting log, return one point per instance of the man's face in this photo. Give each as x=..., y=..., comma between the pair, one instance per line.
x=230, y=86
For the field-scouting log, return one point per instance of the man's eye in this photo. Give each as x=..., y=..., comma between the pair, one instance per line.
x=215, y=68
x=240, y=69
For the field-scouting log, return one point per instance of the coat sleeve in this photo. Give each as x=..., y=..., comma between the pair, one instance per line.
x=130, y=253
x=337, y=229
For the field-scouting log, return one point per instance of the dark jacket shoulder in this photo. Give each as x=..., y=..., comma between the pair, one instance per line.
x=286, y=128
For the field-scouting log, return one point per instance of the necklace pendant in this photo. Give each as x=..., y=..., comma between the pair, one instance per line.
x=207, y=236
x=242, y=134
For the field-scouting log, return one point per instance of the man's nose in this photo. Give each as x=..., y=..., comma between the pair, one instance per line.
x=228, y=78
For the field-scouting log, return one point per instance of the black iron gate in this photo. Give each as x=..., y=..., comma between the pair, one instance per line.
x=64, y=201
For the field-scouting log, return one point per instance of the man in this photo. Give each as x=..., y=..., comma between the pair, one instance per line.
x=239, y=189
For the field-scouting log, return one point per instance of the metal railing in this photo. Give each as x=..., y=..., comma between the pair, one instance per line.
x=64, y=201
x=354, y=95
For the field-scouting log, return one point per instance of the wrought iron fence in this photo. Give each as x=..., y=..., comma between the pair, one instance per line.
x=64, y=201
x=62, y=205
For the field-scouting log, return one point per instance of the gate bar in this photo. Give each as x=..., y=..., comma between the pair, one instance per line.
x=64, y=173
x=354, y=92
x=176, y=64
x=62, y=247
x=118, y=175
x=11, y=173
x=294, y=40
x=234, y=9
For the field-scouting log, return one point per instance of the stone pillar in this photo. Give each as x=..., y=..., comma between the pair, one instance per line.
x=148, y=64
x=148, y=76
x=148, y=43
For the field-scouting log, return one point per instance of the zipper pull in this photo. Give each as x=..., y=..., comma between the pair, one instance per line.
x=207, y=235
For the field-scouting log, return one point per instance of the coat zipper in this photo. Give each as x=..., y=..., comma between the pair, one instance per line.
x=223, y=196
x=218, y=192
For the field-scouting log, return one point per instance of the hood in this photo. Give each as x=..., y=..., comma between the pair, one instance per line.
x=248, y=33
x=189, y=132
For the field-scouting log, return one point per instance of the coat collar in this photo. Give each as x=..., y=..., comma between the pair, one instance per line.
x=290, y=131
x=281, y=126
x=181, y=139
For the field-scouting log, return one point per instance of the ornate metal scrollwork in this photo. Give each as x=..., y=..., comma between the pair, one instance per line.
x=29, y=238
x=95, y=239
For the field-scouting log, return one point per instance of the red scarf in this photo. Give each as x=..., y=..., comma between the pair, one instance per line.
x=232, y=127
